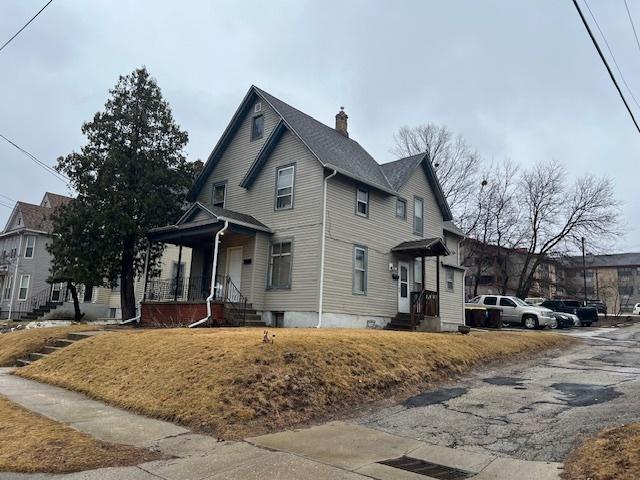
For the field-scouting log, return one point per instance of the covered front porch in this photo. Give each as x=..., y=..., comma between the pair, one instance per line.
x=218, y=287
x=418, y=306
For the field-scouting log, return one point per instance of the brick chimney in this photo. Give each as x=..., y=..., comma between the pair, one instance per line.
x=341, y=122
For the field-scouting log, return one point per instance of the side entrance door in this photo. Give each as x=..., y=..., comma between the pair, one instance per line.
x=404, y=302
x=234, y=265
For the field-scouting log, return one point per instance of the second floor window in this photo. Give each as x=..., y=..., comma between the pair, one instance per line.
x=29, y=246
x=418, y=215
x=401, y=208
x=257, y=127
x=284, y=187
x=219, y=194
x=280, y=265
x=362, y=202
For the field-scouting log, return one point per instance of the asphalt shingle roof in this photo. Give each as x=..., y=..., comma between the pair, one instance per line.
x=399, y=171
x=600, y=261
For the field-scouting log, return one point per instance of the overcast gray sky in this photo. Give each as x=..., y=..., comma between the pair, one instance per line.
x=518, y=79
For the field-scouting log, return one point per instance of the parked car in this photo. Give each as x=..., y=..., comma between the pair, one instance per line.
x=564, y=320
x=636, y=309
x=517, y=312
x=587, y=315
x=599, y=304
x=535, y=301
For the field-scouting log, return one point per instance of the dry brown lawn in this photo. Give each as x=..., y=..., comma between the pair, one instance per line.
x=614, y=454
x=228, y=382
x=17, y=344
x=32, y=443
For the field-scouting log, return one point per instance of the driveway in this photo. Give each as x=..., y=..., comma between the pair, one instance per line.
x=533, y=410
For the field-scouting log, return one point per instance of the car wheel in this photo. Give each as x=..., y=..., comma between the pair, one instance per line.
x=554, y=324
x=586, y=324
x=530, y=322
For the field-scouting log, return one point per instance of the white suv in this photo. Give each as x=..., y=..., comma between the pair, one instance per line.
x=517, y=312
x=636, y=309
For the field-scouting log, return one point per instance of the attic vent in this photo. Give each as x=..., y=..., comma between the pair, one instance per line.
x=257, y=107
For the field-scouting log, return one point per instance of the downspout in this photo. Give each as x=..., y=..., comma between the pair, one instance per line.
x=213, y=276
x=144, y=293
x=15, y=277
x=324, y=229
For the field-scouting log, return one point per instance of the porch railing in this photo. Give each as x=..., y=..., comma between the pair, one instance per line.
x=423, y=304
x=39, y=303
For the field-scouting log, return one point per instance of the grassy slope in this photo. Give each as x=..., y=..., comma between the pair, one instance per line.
x=32, y=443
x=614, y=454
x=17, y=344
x=229, y=382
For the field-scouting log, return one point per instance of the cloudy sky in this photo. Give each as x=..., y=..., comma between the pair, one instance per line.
x=518, y=79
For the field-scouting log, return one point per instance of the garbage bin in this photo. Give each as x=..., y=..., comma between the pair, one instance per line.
x=475, y=316
x=494, y=318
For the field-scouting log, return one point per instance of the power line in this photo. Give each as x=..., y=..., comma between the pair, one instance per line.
x=25, y=25
x=7, y=197
x=46, y=167
x=606, y=64
x=6, y=205
x=612, y=55
x=635, y=34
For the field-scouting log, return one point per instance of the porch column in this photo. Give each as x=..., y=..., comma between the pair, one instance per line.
x=438, y=284
x=175, y=293
x=424, y=274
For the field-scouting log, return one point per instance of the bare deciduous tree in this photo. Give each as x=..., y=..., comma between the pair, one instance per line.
x=456, y=163
x=558, y=213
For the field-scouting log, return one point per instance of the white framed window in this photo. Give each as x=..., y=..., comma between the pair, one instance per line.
x=280, y=264
x=417, y=274
x=360, y=266
x=401, y=208
x=7, y=287
x=24, y=287
x=362, y=202
x=257, y=127
x=285, y=179
x=219, y=194
x=449, y=273
x=418, y=215
x=29, y=246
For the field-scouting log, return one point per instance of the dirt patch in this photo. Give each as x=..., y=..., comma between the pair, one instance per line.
x=227, y=382
x=612, y=455
x=32, y=443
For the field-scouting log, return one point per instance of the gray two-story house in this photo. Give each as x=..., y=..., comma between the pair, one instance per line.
x=311, y=231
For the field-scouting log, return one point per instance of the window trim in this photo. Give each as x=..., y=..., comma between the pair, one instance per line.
x=20, y=287
x=26, y=246
x=401, y=200
x=367, y=203
x=213, y=191
x=415, y=230
x=450, y=271
x=293, y=187
x=253, y=120
x=273, y=242
x=7, y=287
x=366, y=270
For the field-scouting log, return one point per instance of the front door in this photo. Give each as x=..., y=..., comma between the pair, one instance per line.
x=404, y=303
x=234, y=265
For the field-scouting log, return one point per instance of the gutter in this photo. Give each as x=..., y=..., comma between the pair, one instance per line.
x=324, y=229
x=213, y=275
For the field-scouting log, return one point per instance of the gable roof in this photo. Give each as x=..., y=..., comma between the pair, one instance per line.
x=332, y=149
x=56, y=200
x=451, y=227
x=217, y=213
x=36, y=217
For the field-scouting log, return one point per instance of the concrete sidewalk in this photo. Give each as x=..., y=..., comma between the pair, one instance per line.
x=333, y=451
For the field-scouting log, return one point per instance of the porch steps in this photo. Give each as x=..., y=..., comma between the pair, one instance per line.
x=40, y=311
x=402, y=321
x=54, y=346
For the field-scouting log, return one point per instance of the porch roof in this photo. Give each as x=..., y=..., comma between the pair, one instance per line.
x=427, y=247
x=200, y=220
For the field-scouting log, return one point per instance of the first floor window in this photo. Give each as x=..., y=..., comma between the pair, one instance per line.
x=280, y=265
x=417, y=274
x=29, y=246
x=219, y=194
x=284, y=187
x=418, y=215
x=362, y=202
x=24, y=287
x=360, y=261
x=449, y=273
x=7, y=286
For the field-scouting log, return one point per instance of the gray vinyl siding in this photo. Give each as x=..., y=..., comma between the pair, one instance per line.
x=380, y=232
x=301, y=223
x=451, y=302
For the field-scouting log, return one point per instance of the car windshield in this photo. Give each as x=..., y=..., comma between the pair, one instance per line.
x=520, y=302
x=474, y=300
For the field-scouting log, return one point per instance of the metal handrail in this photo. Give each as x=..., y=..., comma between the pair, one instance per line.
x=235, y=301
x=423, y=304
x=39, y=300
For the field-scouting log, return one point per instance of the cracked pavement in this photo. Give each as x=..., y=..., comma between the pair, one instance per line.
x=531, y=410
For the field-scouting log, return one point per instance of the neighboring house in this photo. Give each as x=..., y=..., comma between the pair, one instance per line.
x=614, y=279
x=313, y=231
x=25, y=267
x=494, y=270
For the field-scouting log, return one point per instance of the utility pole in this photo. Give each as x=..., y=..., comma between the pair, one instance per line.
x=584, y=273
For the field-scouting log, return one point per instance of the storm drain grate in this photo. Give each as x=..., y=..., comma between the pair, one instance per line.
x=415, y=465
